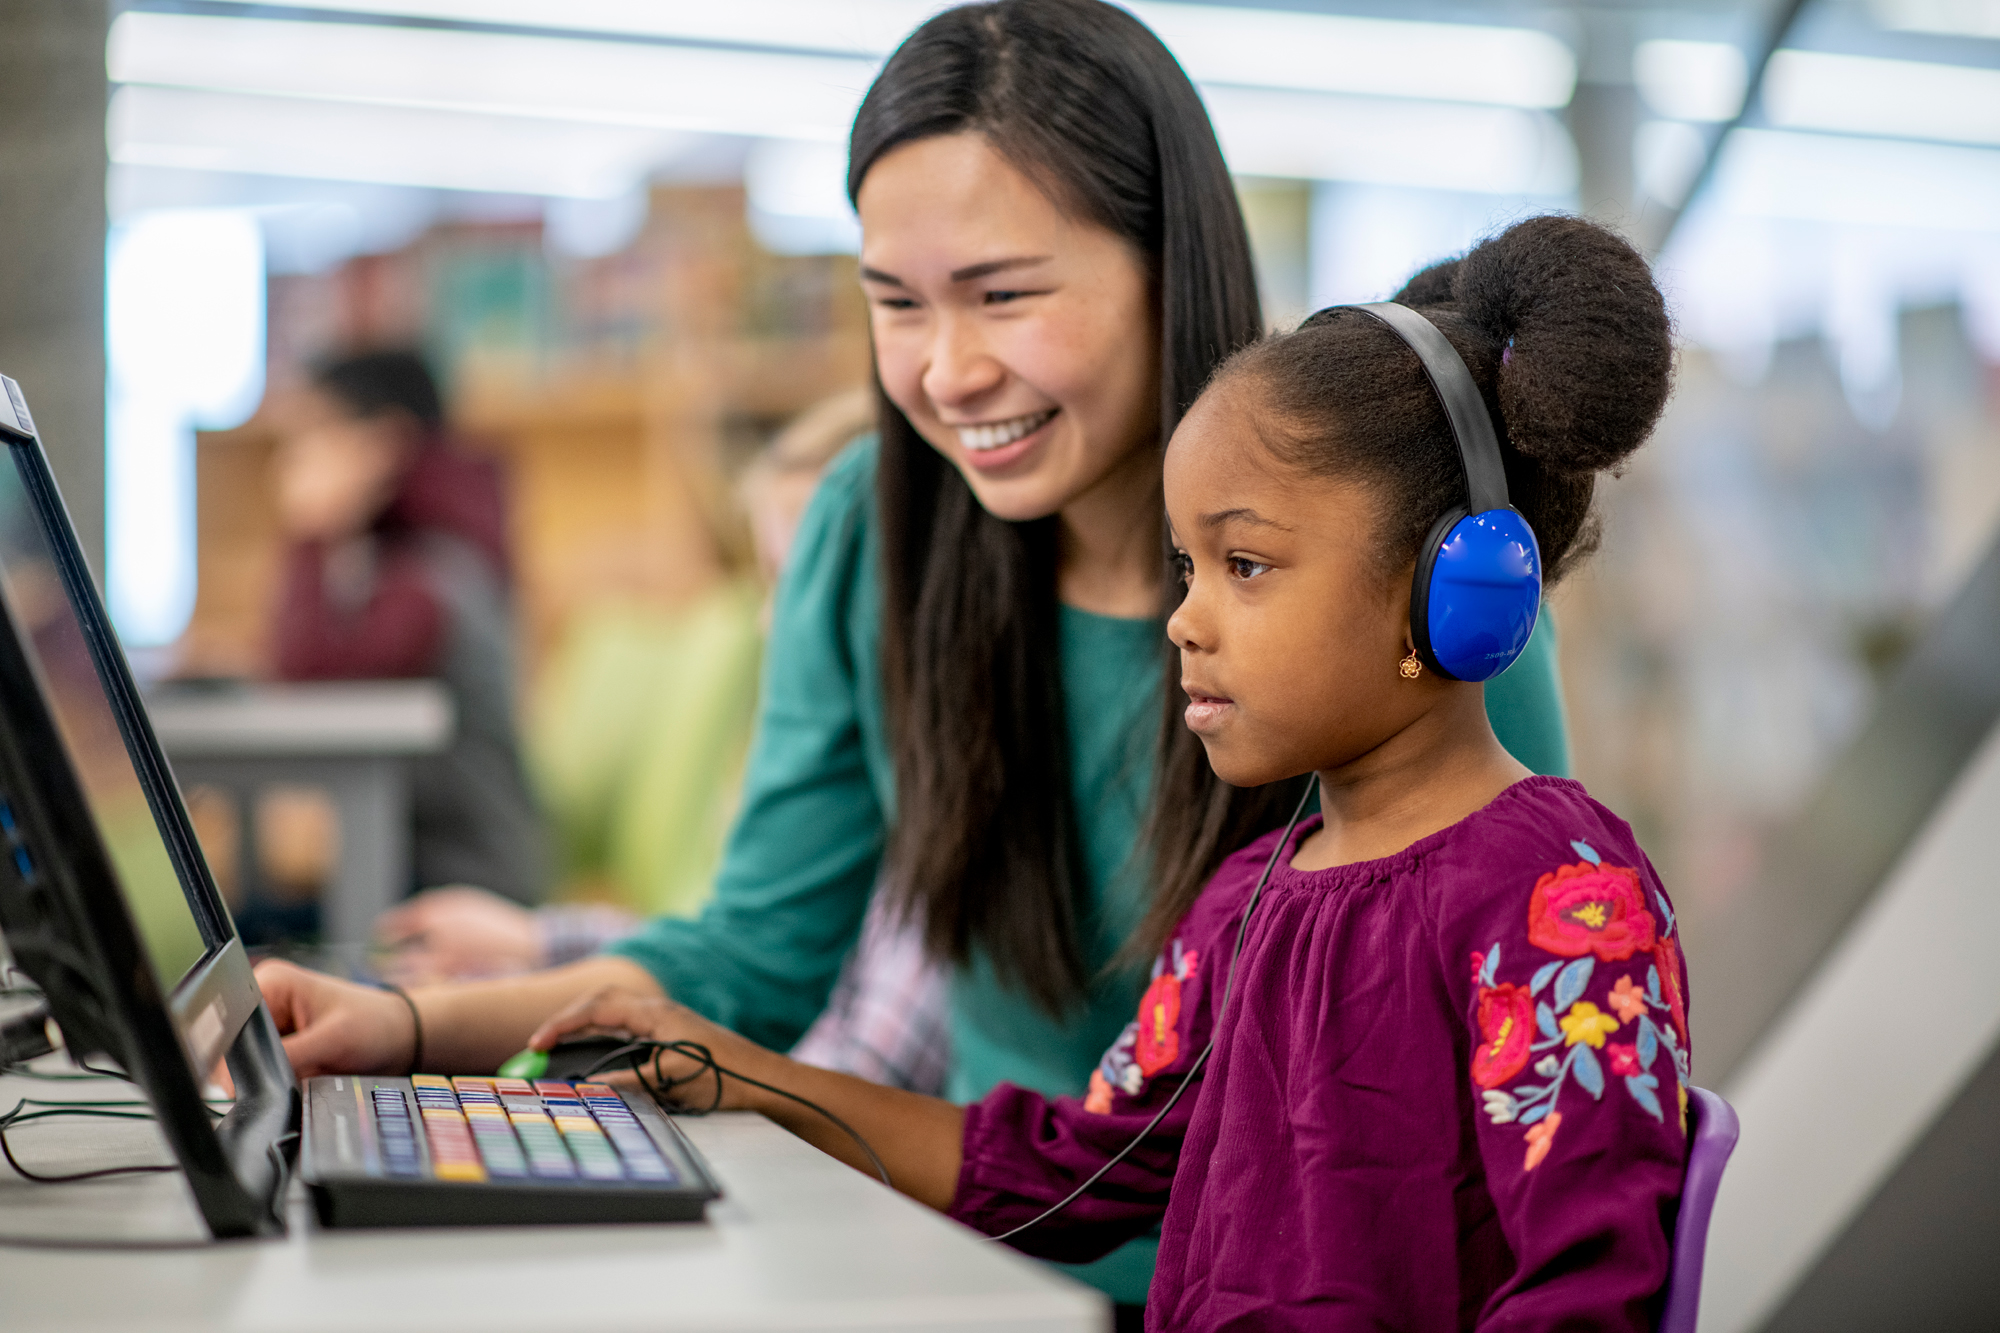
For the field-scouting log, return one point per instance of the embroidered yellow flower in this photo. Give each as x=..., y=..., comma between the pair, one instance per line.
x=1627, y=999
x=1585, y=1022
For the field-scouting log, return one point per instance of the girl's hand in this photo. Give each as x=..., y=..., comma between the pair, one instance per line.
x=916, y=1140
x=622, y=1013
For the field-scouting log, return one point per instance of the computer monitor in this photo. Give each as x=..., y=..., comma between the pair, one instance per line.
x=105, y=898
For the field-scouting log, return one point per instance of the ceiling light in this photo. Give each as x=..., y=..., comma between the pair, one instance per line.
x=625, y=83
x=1691, y=80
x=1219, y=44
x=853, y=27
x=486, y=110
x=1316, y=136
x=453, y=150
x=1946, y=18
x=1865, y=182
x=1455, y=62
x=1815, y=90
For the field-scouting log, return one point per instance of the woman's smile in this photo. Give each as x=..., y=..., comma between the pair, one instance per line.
x=992, y=446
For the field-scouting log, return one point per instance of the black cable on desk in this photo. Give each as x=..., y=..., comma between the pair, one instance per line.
x=16, y=1117
x=705, y=1061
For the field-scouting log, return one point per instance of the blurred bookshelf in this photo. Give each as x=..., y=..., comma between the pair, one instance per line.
x=625, y=393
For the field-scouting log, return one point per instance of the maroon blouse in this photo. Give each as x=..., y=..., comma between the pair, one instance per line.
x=397, y=626
x=1450, y=1093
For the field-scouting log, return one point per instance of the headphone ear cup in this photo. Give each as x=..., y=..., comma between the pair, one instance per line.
x=1477, y=593
x=1420, y=590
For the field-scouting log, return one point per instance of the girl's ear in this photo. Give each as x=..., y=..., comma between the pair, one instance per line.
x=1397, y=591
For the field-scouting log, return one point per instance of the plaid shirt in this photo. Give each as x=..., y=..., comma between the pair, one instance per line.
x=886, y=1020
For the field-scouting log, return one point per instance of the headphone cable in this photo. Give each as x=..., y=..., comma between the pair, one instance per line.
x=1229, y=983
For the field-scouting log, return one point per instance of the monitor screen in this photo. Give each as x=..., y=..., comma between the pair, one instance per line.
x=54, y=637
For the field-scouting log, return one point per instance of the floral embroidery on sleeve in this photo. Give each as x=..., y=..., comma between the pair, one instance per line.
x=1590, y=913
x=1153, y=1039
x=1150, y=1042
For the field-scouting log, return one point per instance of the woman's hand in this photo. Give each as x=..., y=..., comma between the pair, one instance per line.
x=455, y=932
x=336, y=1027
x=686, y=1080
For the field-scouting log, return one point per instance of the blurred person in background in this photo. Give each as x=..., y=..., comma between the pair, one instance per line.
x=968, y=695
x=397, y=567
x=458, y=931
x=887, y=1018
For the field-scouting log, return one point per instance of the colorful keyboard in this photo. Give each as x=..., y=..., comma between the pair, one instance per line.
x=428, y=1150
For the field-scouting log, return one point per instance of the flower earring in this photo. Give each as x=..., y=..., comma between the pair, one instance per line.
x=1410, y=666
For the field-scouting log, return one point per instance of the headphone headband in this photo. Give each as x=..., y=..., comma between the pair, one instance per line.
x=1477, y=587
x=1464, y=408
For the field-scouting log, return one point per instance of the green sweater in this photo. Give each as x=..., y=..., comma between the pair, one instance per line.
x=819, y=792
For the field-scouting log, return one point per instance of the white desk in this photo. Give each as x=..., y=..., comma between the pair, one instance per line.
x=349, y=738
x=798, y=1242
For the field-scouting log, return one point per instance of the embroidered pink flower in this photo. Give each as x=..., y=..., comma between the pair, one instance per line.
x=1624, y=1058
x=1159, y=1012
x=1098, y=1100
x=1478, y=965
x=1626, y=1000
x=1540, y=1135
x=1667, y=958
x=1587, y=908
x=1506, y=1030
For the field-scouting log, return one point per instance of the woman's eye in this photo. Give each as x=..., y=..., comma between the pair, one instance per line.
x=896, y=303
x=1245, y=568
x=1002, y=298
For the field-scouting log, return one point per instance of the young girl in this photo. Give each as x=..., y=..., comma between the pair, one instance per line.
x=1449, y=1090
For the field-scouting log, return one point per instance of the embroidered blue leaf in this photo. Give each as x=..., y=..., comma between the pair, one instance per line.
x=1542, y=977
x=1536, y=1112
x=1653, y=986
x=1588, y=1072
x=1665, y=911
x=1487, y=972
x=1527, y=1092
x=1574, y=978
x=1641, y=1087
x=1587, y=852
x=1545, y=1019
x=1649, y=1045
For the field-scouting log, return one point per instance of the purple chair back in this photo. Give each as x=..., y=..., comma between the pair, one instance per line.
x=1711, y=1138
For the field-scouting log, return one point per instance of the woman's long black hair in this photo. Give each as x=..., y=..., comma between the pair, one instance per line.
x=1083, y=99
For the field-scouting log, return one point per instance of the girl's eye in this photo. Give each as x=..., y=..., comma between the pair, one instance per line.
x=1183, y=567
x=896, y=303
x=1008, y=296
x=1245, y=568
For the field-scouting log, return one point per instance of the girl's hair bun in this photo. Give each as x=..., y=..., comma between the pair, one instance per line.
x=1567, y=337
x=1587, y=351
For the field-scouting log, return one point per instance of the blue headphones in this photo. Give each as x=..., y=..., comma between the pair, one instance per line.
x=1478, y=585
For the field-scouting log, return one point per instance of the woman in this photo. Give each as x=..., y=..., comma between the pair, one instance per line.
x=965, y=673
